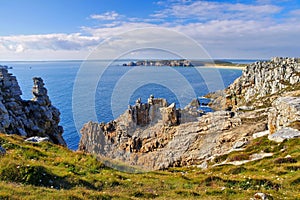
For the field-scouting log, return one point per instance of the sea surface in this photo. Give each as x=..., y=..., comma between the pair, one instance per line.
x=116, y=87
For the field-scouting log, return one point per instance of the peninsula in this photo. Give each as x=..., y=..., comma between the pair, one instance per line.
x=171, y=63
x=185, y=63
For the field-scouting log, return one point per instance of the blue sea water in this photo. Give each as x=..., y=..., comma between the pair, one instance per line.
x=111, y=96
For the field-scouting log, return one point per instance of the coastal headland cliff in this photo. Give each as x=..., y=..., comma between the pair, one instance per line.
x=156, y=135
x=35, y=117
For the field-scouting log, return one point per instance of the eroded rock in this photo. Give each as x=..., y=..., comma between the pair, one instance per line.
x=36, y=117
x=167, y=142
x=258, y=80
x=284, y=133
x=285, y=111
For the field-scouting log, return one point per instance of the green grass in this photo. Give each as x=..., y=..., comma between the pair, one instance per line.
x=48, y=171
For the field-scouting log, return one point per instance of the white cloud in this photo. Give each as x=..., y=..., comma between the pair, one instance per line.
x=207, y=10
x=112, y=15
x=295, y=12
x=20, y=43
x=226, y=30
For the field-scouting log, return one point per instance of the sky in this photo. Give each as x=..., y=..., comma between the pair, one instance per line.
x=72, y=29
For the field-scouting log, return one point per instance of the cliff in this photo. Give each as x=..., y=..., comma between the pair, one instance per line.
x=155, y=136
x=259, y=82
x=36, y=117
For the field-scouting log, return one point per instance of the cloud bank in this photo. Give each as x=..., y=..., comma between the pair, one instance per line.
x=226, y=30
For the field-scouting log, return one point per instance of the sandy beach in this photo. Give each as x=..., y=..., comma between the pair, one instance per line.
x=240, y=67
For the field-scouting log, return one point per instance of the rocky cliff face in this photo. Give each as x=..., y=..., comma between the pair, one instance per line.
x=260, y=80
x=156, y=135
x=36, y=117
x=285, y=112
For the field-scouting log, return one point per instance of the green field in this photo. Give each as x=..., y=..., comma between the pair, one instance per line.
x=48, y=171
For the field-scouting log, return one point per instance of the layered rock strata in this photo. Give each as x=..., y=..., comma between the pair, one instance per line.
x=36, y=117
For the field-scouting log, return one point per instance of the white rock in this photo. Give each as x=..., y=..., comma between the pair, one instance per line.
x=260, y=134
x=37, y=139
x=284, y=133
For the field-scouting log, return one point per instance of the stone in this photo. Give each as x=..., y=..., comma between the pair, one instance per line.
x=284, y=133
x=40, y=92
x=260, y=134
x=161, y=142
x=157, y=135
x=2, y=151
x=28, y=117
x=284, y=112
x=203, y=165
x=245, y=108
x=262, y=196
x=241, y=143
x=258, y=80
x=22, y=132
x=37, y=139
x=169, y=115
x=194, y=103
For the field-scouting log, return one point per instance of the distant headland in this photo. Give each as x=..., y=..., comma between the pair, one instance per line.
x=171, y=63
x=182, y=63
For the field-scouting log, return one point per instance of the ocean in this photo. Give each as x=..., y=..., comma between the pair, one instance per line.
x=80, y=89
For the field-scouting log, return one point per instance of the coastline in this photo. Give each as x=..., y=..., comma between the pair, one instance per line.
x=240, y=67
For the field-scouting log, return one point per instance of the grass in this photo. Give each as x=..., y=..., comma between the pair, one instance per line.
x=48, y=171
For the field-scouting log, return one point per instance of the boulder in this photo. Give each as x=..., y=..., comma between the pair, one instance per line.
x=285, y=111
x=241, y=143
x=283, y=134
x=37, y=139
x=261, y=196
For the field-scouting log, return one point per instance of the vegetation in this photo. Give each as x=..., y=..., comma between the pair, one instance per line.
x=48, y=171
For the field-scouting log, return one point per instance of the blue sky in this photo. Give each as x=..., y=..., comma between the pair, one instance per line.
x=65, y=29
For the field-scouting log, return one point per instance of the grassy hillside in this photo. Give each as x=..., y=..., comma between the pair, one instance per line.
x=47, y=171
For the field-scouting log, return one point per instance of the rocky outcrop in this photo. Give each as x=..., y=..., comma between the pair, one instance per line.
x=155, y=136
x=273, y=84
x=283, y=134
x=285, y=112
x=36, y=117
x=259, y=80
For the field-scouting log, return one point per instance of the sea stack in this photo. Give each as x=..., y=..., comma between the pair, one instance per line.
x=36, y=117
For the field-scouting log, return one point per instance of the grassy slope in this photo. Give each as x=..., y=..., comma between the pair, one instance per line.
x=47, y=171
